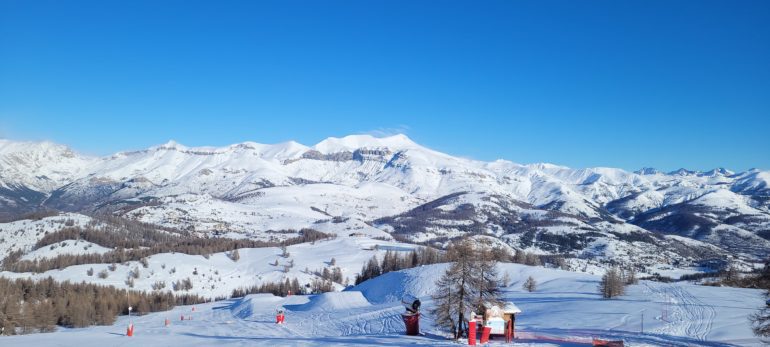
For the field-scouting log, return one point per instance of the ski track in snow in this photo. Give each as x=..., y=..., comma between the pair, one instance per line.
x=689, y=316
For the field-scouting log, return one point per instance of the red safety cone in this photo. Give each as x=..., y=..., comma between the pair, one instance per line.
x=485, y=334
x=471, y=333
x=130, y=330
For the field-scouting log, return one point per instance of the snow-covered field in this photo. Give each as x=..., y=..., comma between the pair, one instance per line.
x=218, y=275
x=23, y=234
x=565, y=310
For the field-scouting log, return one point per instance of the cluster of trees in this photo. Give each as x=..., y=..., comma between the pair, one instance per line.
x=28, y=306
x=334, y=275
x=732, y=277
x=394, y=261
x=320, y=285
x=614, y=282
x=470, y=282
x=34, y=215
x=526, y=258
x=182, y=285
x=280, y=288
x=135, y=241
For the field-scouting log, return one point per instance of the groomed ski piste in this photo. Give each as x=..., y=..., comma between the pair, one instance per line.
x=565, y=310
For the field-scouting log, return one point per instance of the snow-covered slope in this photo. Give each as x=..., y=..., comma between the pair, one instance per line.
x=564, y=310
x=218, y=275
x=22, y=235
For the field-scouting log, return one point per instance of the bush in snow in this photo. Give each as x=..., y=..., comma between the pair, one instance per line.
x=530, y=285
x=235, y=255
x=135, y=273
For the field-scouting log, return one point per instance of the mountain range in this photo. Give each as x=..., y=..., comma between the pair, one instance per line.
x=394, y=188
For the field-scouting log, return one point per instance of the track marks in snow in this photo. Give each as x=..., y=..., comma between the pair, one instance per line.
x=689, y=315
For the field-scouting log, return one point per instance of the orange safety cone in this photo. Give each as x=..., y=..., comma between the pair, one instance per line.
x=130, y=330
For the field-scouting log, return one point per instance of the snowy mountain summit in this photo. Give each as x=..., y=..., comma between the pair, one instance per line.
x=393, y=187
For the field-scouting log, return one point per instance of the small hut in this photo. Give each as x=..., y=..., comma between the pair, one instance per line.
x=498, y=315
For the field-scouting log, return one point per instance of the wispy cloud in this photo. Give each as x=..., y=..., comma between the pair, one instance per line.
x=385, y=132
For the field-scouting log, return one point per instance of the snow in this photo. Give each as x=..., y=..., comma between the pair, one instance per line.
x=510, y=307
x=219, y=275
x=39, y=165
x=726, y=200
x=564, y=310
x=66, y=247
x=353, y=142
x=23, y=234
x=334, y=301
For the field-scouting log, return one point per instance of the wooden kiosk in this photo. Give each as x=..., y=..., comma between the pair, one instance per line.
x=501, y=317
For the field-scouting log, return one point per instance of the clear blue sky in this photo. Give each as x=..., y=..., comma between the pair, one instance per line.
x=626, y=84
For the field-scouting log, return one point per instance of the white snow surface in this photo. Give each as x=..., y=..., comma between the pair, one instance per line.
x=219, y=275
x=23, y=234
x=565, y=310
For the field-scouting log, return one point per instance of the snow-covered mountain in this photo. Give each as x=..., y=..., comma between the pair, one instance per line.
x=392, y=186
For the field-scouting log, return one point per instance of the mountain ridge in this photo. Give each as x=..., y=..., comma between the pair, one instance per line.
x=375, y=184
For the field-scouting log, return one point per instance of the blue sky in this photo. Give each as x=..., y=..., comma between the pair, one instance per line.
x=666, y=84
